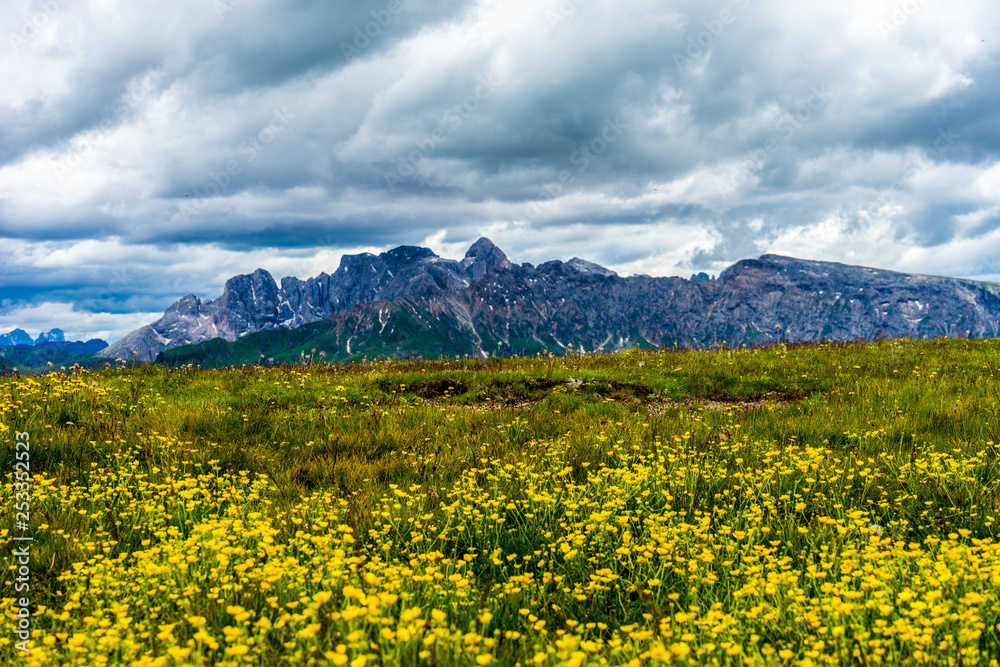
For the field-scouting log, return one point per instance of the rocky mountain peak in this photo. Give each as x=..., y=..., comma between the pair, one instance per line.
x=53, y=339
x=51, y=336
x=583, y=266
x=406, y=254
x=545, y=308
x=483, y=256
x=16, y=337
x=244, y=280
x=186, y=305
x=350, y=263
x=22, y=337
x=255, y=302
x=484, y=247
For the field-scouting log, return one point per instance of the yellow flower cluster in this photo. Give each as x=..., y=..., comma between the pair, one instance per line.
x=651, y=549
x=483, y=570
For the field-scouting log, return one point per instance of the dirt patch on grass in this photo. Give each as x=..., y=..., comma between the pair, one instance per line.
x=533, y=390
x=769, y=401
x=440, y=387
x=622, y=392
x=525, y=392
x=542, y=384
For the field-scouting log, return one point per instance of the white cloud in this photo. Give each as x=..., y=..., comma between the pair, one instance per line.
x=876, y=243
x=808, y=178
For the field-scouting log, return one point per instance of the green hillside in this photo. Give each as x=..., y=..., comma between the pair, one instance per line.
x=406, y=331
x=30, y=359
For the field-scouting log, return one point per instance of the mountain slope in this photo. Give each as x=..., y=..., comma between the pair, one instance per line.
x=555, y=307
x=255, y=302
x=21, y=337
x=396, y=328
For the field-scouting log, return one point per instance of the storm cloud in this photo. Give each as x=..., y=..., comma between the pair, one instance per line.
x=148, y=150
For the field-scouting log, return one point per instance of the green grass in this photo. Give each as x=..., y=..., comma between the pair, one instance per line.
x=944, y=394
x=360, y=431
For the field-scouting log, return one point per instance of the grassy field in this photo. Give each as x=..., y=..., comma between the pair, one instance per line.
x=832, y=504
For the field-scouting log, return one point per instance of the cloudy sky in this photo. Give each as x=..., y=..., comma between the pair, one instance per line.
x=150, y=149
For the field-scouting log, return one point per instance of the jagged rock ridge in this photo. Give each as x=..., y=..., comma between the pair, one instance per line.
x=557, y=306
x=255, y=302
x=21, y=337
x=52, y=339
x=16, y=337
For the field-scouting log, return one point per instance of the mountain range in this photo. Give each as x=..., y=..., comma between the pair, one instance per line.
x=54, y=339
x=21, y=337
x=18, y=350
x=409, y=301
x=255, y=302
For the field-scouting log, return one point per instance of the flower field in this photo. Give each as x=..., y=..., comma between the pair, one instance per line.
x=814, y=505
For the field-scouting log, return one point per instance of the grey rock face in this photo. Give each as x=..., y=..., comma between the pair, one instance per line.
x=555, y=307
x=21, y=337
x=82, y=347
x=583, y=266
x=758, y=301
x=255, y=302
x=51, y=336
x=494, y=305
x=16, y=337
x=482, y=257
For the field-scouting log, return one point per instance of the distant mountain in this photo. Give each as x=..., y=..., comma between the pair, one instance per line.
x=92, y=346
x=255, y=302
x=561, y=306
x=583, y=266
x=52, y=336
x=15, y=337
x=40, y=355
x=52, y=339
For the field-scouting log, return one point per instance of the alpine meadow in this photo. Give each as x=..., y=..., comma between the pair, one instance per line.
x=787, y=505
